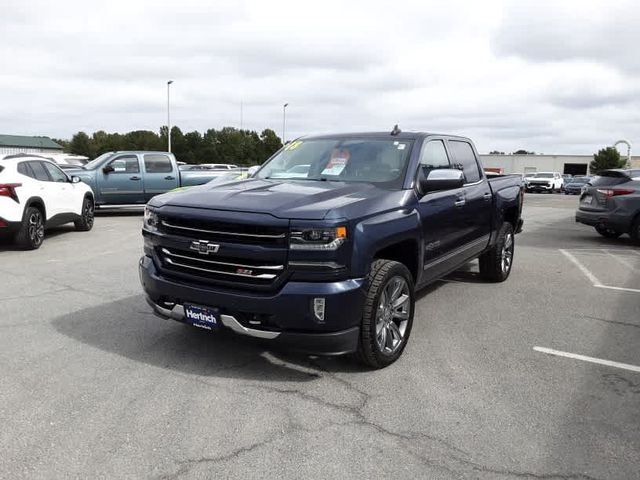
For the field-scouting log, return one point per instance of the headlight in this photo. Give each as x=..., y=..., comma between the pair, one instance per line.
x=151, y=220
x=318, y=238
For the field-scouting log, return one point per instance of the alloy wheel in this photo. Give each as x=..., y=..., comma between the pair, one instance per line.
x=36, y=228
x=392, y=316
x=507, y=253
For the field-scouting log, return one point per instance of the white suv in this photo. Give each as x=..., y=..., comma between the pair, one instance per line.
x=34, y=194
x=545, y=182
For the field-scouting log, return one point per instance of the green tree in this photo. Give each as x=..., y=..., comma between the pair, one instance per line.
x=606, y=158
x=523, y=152
x=271, y=143
x=81, y=144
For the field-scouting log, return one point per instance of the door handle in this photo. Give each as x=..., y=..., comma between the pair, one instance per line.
x=487, y=196
x=169, y=177
x=460, y=202
x=134, y=178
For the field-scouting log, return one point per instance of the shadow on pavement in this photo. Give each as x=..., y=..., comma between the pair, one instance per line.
x=129, y=329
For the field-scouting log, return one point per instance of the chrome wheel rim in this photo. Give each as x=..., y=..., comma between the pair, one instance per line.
x=392, y=315
x=36, y=228
x=88, y=213
x=507, y=253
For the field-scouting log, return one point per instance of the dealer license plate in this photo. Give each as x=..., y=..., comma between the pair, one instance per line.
x=202, y=317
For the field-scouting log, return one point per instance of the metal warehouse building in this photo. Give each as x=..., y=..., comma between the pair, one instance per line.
x=20, y=144
x=571, y=164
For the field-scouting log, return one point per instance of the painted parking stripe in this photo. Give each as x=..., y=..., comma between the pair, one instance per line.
x=620, y=259
x=584, y=358
x=594, y=280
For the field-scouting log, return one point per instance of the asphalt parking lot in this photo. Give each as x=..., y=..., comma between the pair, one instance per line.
x=94, y=386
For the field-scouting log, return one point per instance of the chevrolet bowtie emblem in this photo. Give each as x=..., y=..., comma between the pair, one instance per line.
x=203, y=247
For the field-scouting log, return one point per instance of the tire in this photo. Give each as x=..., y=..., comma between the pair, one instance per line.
x=86, y=217
x=31, y=233
x=385, y=330
x=496, y=264
x=607, y=232
x=634, y=233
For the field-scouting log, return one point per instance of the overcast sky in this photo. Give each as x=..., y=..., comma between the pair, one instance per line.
x=554, y=77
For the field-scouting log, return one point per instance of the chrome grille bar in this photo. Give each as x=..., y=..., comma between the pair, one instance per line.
x=261, y=276
x=217, y=232
x=228, y=264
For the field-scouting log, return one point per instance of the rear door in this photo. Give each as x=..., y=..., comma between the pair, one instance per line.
x=46, y=189
x=124, y=185
x=477, y=210
x=160, y=174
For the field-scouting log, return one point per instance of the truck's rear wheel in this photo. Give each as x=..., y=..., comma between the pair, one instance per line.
x=495, y=265
x=388, y=313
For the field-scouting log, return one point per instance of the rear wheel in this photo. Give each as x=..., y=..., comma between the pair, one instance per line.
x=607, y=232
x=31, y=233
x=388, y=314
x=86, y=218
x=495, y=265
x=635, y=231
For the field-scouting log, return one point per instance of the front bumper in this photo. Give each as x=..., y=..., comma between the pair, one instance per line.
x=284, y=318
x=621, y=223
x=538, y=188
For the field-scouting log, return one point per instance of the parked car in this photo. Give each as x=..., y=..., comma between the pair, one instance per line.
x=545, y=182
x=575, y=185
x=297, y=171
x=133, y=178
x=35, y=195
x=611, y=203
x=224, y=177
x=329, y=262
x=221, y=166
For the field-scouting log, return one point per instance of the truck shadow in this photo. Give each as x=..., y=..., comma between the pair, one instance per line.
x=128, y=328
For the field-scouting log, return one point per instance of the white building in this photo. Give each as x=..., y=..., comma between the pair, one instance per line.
x=572, y=164
x=10, y=144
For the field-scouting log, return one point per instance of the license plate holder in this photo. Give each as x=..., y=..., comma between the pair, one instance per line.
x=200, y=316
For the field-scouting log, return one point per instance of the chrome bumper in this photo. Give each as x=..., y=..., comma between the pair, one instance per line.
x=177, y=313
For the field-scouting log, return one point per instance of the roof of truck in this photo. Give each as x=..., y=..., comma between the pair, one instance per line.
x=401, y=135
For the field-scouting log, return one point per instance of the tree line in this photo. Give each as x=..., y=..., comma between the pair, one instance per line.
x=228, y=145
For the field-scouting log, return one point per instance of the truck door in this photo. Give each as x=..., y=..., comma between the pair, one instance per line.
x=476, y=212
x=120, y=181
x=160, y=174
x=440, y=212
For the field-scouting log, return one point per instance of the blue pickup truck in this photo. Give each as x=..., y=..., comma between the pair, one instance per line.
x=134, y=177
x=328, y=261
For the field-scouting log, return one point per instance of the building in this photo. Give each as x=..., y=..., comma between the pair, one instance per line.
x=10, y=144
x=571, y=164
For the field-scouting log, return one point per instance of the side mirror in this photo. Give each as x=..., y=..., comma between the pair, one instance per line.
x=75, y=179
x=108, y=169
x=440, y=179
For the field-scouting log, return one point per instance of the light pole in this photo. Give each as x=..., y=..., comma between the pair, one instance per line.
x=284, y=120
x=168, y=119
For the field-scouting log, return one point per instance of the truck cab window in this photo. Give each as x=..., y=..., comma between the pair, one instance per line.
x=434, y=156
x=465, y=160
x=157, y=164
x=125, y=165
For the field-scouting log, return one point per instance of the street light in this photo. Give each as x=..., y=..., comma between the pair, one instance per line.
x=284, y=120
x=168, y=119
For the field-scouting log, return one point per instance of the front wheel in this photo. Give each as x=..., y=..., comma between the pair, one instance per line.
x=86, y=218
x=388, y=313
x=607, y=232
x=495, y=265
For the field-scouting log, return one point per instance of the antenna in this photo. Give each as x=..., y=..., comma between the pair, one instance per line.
x=395, y=130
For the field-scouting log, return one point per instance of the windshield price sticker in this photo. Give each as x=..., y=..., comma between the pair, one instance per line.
x=293, y=145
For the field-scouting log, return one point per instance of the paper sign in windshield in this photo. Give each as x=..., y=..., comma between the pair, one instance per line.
x=335, y=166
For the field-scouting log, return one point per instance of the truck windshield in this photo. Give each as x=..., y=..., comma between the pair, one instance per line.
x=379, y=161
x=96, y=161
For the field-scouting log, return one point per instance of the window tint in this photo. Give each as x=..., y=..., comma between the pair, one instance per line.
x=39, y=172
x=56, y=174
x=125, y=165
x=434, y=156
x=465, y=160
x=157, y=164
x=25, y=169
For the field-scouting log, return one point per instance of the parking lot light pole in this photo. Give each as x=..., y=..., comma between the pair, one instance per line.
x=284, y=120
x=168, y=118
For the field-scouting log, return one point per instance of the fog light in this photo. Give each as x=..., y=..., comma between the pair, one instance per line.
x=318, y=308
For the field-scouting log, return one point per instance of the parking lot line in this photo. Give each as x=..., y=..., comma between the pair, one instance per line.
x=584, y=358
x=620, y=289
x=582, y=268
x=619, y=259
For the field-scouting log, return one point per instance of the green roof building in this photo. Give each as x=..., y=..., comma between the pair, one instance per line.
x=21, y=144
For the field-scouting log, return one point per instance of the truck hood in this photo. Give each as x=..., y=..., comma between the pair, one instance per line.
x=311, y=200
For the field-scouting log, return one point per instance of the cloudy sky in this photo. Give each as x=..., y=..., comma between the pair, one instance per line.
x=554, y=77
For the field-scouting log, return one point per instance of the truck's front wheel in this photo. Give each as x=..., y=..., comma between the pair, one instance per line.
x=388, y=313
x=495, y=265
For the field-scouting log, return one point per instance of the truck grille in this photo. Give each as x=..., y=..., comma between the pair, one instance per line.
x=225, y=232
x=224, y=270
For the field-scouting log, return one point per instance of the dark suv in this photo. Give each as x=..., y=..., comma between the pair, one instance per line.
x=611, y=204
